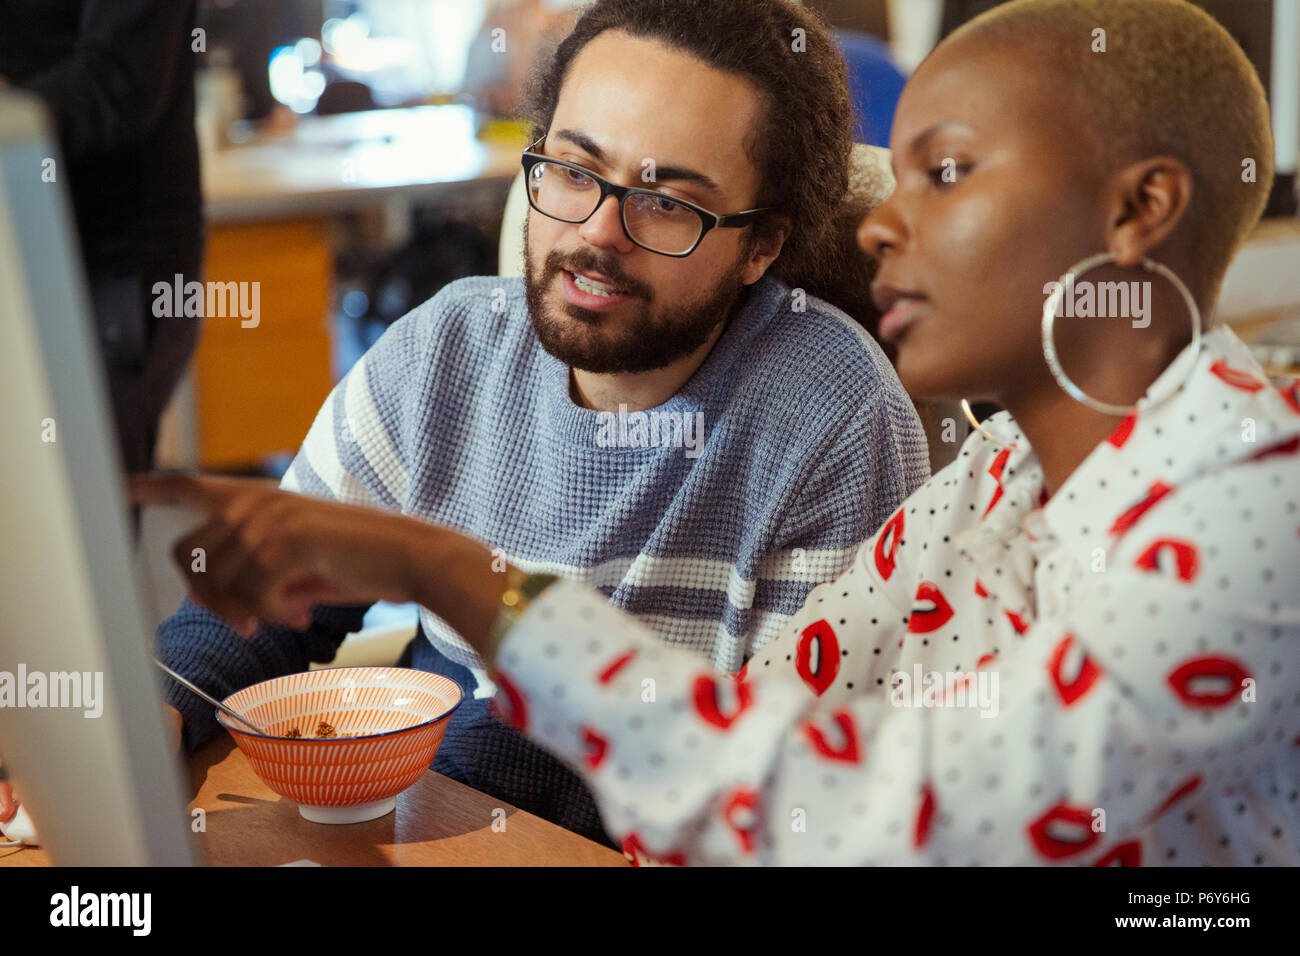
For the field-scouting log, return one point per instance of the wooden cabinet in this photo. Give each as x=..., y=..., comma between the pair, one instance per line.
x=258, y=388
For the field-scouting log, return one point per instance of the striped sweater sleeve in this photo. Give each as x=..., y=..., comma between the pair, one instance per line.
x=356, y=449
x=197, y=644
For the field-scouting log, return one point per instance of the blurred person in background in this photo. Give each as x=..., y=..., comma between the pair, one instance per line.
x=496, y=69
x=118, y=79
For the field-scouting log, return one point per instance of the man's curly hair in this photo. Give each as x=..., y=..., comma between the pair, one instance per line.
x=802, y=146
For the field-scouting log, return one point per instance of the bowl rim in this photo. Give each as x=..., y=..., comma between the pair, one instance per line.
x=227, y=724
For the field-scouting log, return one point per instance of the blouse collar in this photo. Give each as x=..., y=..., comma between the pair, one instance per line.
x=1226, y=402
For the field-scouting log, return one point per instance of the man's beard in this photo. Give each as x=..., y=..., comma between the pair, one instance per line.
x=647, y=339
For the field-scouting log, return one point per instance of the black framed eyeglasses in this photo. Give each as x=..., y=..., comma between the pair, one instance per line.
x=663, y=224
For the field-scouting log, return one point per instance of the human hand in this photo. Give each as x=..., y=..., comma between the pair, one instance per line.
x=8, y=805
x=271, y=555
x=174, y=723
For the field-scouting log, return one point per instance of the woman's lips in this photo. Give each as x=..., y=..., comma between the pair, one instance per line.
x=586, y=300
x=901, y=315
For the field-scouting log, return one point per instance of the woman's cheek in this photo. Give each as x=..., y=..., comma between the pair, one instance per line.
x=928, y=362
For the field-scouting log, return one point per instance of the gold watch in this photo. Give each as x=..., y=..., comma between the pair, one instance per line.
x=521, y=590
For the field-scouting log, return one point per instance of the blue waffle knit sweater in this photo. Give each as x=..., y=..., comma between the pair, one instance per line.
x=807, y=443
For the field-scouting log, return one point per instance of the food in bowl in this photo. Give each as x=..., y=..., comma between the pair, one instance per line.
x=373, y=733
x=322, y=730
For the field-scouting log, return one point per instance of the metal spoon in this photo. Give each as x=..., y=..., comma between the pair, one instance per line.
x=211, y=700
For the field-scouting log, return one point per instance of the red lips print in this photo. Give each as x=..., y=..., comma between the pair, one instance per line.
x=995, y=469
x=739, y=812
x=1131, y=517
x=1186, y=558
x=706, y=701
x=616, y=665
x=1073, y=672
x=513, y=710
x=597, y=748
x=1291, y=395
x=924, y=818
x=886, y=550
x=817, y=656
x=1289, y=447
x=1206, y=683
x=930, y=611
x=1121, y=434
x=1183, y=789
x=846, y=752
x=635, y=851
x=1236, y=377
x=1062, y=832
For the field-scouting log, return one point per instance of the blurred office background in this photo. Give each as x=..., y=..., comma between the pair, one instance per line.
x=357, y=155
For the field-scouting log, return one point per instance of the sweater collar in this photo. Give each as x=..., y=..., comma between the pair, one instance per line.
x=757, y=307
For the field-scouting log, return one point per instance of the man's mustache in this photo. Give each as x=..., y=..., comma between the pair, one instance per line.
x=577, y=262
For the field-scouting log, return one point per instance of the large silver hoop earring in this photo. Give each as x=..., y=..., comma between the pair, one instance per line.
x=1053, y=303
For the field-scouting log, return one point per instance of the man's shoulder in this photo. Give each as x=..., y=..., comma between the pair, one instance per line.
x=816, y=356
x=473, y=313
x=476, y=298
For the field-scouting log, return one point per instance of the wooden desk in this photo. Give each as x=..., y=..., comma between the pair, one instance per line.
x=438, y=822
x=329, y=164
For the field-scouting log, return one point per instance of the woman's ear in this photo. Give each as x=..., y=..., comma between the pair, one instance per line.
x=1149, y=200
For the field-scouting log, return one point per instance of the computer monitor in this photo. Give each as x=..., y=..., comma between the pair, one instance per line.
x=81, y=725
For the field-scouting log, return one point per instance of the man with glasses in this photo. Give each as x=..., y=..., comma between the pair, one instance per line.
x=659, y=408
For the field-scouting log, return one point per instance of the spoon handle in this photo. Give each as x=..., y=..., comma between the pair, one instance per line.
x=210, y=699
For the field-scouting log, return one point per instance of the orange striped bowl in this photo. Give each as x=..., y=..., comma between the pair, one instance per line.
x=397, y=716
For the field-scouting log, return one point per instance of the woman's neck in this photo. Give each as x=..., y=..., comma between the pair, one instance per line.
x=1063, y=431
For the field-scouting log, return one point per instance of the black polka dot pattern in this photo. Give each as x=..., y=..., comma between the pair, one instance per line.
x=1107, y=676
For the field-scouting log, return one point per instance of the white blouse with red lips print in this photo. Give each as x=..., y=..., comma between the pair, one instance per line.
x=1109, y=677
